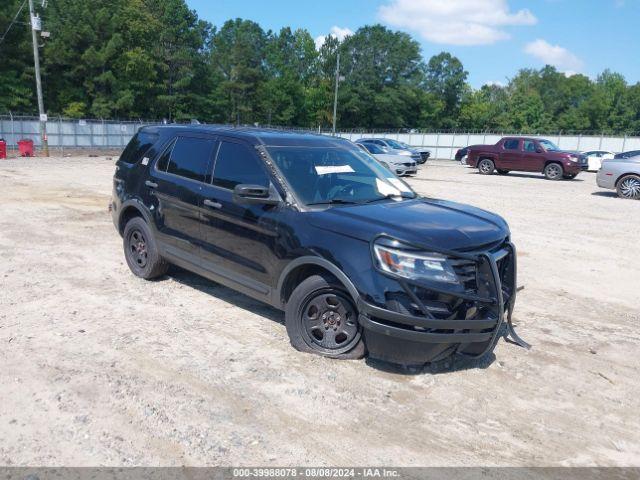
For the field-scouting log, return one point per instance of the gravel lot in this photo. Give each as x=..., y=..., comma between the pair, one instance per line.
x=98, y=367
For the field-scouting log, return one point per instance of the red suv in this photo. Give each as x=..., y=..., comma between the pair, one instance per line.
x=524, y=154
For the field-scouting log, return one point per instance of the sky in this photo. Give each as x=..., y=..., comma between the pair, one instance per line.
x=492, y=38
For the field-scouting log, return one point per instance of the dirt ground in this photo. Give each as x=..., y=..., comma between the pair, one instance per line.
x=98, y=367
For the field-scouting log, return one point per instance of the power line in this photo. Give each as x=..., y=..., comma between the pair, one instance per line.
x=13, y=21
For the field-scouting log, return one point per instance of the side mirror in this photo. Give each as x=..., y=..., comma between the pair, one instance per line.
x=539, y=150
x=244, y=194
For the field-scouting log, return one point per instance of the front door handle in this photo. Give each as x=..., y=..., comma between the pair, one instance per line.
x=151, y=184
x=212, y=204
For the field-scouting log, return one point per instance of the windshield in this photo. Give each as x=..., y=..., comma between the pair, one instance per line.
x=331, y=175
x=397, y=145
x=549, y=146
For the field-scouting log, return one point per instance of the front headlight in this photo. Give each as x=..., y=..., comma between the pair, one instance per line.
x=414, y=265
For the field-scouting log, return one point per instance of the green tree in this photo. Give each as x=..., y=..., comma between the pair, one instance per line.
x=383, y=72
x=17, y=82
x=291, y=60
x=237, y=61
x=446, y=78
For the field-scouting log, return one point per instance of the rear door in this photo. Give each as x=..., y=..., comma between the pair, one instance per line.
x=239, y=240
x=533, y=156
x=177, y=180
x=510, y=155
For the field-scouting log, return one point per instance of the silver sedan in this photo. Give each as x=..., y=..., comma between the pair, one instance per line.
x=622, y=175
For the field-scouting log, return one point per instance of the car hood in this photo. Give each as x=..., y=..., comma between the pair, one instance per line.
x=570, y=152
x=440, y=223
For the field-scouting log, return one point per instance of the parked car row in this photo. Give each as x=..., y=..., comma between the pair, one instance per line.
x=620, y=172
x=395, y=156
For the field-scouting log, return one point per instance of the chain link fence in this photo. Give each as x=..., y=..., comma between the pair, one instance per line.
x=65, y=135
x=69, y=134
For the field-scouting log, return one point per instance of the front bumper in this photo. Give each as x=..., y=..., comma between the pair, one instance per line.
x=410, y=168
x=426, y=334
x=573, y=168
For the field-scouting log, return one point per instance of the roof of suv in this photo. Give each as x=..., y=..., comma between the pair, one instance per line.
x=261, y=136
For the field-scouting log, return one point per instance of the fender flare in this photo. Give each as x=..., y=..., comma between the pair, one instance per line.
x=140, y=207
x=320, y=262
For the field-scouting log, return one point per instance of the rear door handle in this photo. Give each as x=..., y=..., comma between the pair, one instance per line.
x=212, y=204
x=151, y=184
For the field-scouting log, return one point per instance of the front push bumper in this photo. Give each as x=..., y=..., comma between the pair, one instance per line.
x=410, y=339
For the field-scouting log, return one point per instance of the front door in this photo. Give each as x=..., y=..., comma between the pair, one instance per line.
x=176, y=181
x=533, y=158
x=239, y=240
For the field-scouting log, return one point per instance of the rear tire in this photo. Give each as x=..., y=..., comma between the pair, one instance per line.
x=553, y=171
x=486, y=166
x=141, y=250
x=321, y=318
x=629, y=187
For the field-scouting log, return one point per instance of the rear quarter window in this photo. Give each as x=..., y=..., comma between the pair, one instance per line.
x=138, y=146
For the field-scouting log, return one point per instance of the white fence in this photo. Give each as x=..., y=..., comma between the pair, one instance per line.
x=87, y=134
x=445, y=145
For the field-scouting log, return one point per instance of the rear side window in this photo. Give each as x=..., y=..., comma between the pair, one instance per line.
x=138, y=146
x=237, y=164
x=163, y=161
x=190, y=158
x=511, y=144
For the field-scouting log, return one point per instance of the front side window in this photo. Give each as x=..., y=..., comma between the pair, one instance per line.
x=237, y=164
x=511, y=144
x=529, y=146
x=335, y=175
x=190, y=158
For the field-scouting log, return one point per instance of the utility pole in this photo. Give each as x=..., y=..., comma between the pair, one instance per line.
x=335, y=98
x=36, y=61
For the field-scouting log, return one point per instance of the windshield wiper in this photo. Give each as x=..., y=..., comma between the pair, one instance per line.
x=391, y=196
x=335, y=201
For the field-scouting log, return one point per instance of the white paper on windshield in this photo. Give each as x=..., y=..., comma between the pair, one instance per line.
x=399, y=184
x=385, y=189
x=325, y=170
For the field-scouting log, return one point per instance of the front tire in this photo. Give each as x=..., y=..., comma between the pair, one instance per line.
x=553, y=171
x=629, y=187
x=321, y=318
x=141, y=250
x=486, y=166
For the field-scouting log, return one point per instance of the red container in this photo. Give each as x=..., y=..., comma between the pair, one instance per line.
x=25, y=147
x=3, y=149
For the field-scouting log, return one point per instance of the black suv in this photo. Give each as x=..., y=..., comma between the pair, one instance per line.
x=316, y=227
